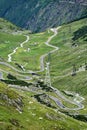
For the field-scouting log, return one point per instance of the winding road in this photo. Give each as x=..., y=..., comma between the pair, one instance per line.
x=15, y=50
x=75, y=102
x=22, y=77
x=55, y=30
x=42, y=68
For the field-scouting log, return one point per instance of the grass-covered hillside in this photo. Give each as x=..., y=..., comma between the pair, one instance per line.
x=37, y=15
x=68, y=66
x=26, y=102
x=23, y=53
x=8, y=37
x=72, y=43
x=19, y=110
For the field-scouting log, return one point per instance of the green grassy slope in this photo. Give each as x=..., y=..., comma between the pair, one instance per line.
x=36, y=47
x=32, y=114
x=8, y=38
x=9, y=41
x=73, y=49
x=72, y=43
x=12, y=37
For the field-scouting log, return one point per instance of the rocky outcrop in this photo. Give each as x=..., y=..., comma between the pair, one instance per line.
x=17, y=103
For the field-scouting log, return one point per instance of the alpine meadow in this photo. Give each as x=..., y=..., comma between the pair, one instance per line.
x=43, y=65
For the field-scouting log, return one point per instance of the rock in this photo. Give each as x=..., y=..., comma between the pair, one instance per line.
x=17, y=103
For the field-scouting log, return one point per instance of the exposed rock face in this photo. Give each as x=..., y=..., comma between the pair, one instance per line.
x=37, y=15
x=17, y=103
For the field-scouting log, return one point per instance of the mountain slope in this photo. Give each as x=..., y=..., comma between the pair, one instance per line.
x=28, y=105
x=72, y=41
x=33, y=115
x=37, y=15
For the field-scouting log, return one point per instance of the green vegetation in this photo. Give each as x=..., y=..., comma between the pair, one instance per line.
x=6, y=91
x=30, y=54
x=9, y=41
x=17, y=82
x=81, y=33
x=62, y=62
x=42, y=14
x=6, y=26
x=72, y=44
x=28, y=113
x=34, y=115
